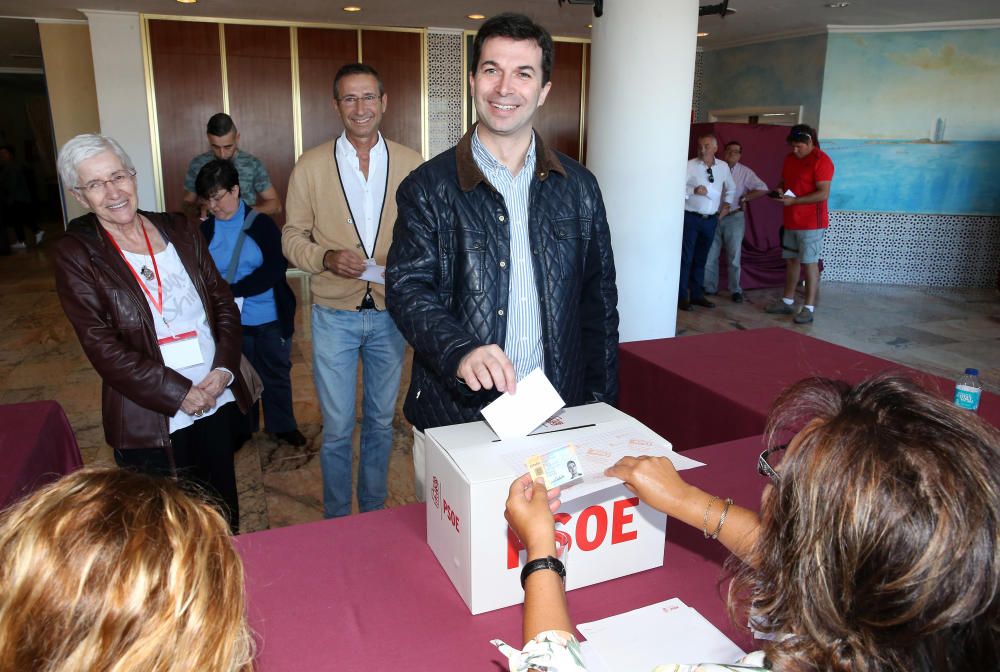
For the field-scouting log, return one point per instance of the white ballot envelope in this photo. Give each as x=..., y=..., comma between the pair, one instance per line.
x=662, y=633
x=534, y=402
x=373, y=272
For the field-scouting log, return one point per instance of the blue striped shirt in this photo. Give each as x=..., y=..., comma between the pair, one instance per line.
x=523, y=344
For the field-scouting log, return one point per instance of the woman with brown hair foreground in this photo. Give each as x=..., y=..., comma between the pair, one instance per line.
x=107, y=570
x=875, y=549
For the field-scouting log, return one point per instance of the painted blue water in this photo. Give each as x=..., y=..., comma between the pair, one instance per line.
x=957, y=178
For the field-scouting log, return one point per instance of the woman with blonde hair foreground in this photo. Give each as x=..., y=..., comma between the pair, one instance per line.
x=875, y=550
x=107, y=570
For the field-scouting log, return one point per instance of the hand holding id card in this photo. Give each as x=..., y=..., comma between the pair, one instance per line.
x=556, y=467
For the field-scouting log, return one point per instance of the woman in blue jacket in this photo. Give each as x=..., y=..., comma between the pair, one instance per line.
x=246, y=247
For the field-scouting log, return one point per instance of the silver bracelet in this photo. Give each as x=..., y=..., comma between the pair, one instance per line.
x=722, y=518
x=704, y=522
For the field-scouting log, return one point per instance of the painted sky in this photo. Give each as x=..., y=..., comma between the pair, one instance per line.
x=895, y=85
x=784, y=72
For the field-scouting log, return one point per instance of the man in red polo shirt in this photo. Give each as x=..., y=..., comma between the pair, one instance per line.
x=804, y=190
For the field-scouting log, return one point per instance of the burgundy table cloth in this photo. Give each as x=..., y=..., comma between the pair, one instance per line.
x=37, y=445
x=366, y=592
x=704, y=389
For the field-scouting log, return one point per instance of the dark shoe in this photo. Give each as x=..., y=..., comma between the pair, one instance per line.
x=779, y=307
x=804, y=316
x=738, y=297
x=684, y=304
x=293, y=437
x=702, y=301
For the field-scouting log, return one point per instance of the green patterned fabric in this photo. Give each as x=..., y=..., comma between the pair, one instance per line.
x=253, y=176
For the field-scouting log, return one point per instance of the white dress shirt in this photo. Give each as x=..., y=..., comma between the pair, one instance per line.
x=720, y=187
x=365, y=197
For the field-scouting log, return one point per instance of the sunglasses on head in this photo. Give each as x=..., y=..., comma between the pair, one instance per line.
x=764, y=468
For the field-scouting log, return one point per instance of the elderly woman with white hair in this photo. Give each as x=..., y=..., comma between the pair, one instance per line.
x=158, y=323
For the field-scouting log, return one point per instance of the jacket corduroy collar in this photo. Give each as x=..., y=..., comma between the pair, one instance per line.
x=469, y=174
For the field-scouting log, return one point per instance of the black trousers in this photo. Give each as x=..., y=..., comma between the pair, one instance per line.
x=203, y=454
x=270, y=354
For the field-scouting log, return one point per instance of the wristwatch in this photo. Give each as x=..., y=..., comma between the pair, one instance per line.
x=547, y=562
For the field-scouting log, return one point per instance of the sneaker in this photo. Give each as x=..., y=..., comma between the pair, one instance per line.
x=19, y=245
x=39, y=237
x=738, y=297
x=804, y=316
x=779, y=307
x=293, y=437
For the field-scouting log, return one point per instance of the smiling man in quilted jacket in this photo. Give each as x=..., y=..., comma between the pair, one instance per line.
x=501, y=259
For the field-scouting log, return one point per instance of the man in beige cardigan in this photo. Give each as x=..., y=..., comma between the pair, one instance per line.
x=341, y=207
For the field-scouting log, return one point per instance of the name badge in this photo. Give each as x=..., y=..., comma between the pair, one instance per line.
x=181, y=351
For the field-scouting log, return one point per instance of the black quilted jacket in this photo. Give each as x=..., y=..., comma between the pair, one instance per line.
x=447, y=280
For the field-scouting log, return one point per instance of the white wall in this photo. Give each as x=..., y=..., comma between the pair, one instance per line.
x=641, y=87
x=116, y=43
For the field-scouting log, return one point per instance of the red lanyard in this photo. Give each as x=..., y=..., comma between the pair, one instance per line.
x=159, y=285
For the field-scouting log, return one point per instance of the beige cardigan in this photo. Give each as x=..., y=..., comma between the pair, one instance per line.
x=317, y=221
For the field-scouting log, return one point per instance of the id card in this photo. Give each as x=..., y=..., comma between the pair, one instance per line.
x=555, y=467
x=181, y=351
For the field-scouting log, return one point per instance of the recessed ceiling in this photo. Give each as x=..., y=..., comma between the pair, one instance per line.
x=754, y=20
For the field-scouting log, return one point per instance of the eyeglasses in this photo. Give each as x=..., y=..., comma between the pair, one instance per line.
x=711, y=178
x=765, y=469
x=353, y=100
x=214, y=200
x=95, y=187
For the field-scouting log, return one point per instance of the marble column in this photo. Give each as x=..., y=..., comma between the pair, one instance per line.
x=641, y=84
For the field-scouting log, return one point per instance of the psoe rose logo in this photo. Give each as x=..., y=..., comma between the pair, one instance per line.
x=436, y=493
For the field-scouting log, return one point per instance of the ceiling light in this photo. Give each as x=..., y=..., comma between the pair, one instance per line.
x=187, y=2
x=475, y=17
x=837, y=5
x=590, y=25
x=702, y=34
x=351, y=8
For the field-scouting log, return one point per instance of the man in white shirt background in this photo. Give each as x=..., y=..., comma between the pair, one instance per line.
x=709, y=183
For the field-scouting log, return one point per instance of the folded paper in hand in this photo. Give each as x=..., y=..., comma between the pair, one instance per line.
x=516, y=415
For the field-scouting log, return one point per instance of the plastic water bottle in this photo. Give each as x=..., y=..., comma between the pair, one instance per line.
x=968, y=389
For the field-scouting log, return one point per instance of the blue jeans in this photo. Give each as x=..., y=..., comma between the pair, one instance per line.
x=339, y=336
x=270, y=354
x=698, y=235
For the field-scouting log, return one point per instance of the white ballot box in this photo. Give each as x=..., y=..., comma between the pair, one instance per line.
x=469, y=472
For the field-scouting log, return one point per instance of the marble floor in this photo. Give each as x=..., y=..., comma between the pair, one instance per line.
x=937, y=330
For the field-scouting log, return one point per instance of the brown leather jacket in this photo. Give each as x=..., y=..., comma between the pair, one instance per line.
x=113, y=321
